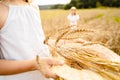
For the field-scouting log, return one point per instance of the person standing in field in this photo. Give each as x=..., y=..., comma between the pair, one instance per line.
x=73, y=18
x=21, y=39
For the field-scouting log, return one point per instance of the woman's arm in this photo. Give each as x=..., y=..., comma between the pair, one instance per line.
x=9, y=67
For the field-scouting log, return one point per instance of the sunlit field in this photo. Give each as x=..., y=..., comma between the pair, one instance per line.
x=105, y=24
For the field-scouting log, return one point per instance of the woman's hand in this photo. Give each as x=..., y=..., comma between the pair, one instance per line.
x=45, y=64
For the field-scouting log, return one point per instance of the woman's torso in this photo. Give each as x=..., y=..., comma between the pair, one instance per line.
x=21, y=38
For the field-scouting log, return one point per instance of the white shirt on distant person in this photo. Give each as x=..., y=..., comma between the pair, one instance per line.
x=73, y=19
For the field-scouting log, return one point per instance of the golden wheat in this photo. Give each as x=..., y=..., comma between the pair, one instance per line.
x=89, y=59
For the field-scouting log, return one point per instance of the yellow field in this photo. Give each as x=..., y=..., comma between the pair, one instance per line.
x=104, y=22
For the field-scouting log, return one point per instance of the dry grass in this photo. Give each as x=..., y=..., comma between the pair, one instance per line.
x=105, y=23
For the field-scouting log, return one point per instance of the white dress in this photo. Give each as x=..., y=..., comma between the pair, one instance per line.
x=21, y=38
x=73, y=20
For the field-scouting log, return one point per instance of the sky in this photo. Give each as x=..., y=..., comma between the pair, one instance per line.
x=50, y=2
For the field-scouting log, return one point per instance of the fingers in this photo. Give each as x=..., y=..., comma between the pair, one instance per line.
x=45, y=64
x=46, y=71
x=50, y=74
x=55, y=62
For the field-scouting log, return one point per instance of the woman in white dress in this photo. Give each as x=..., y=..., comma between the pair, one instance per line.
x=21, y=39
x=73, y=18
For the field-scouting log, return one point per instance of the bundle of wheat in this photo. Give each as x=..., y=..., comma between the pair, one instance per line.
x=88, y=59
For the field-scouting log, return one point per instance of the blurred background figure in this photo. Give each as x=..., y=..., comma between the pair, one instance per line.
x=73, y=18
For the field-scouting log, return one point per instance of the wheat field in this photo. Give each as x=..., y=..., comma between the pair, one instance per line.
x=104, y=22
